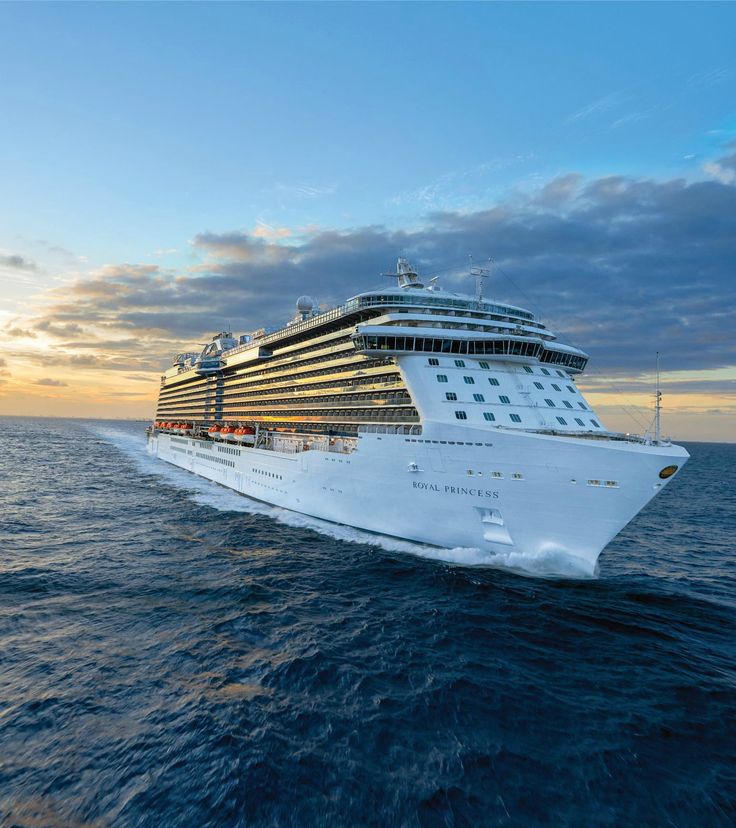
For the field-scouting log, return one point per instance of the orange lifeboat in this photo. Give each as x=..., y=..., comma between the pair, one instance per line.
x=214, y=430
x=244, y=434
x=227, y=433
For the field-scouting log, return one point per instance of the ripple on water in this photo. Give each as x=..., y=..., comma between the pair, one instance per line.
x=174, y=654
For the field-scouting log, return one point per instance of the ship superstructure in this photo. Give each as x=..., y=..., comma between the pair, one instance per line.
x=475, y=401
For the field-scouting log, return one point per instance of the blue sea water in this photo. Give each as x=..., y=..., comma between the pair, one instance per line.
x=172, y=654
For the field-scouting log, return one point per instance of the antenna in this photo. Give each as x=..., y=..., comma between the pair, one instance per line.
x=657, y=408
x=479, y=273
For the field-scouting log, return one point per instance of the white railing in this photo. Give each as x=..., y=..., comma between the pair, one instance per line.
x=389, y=429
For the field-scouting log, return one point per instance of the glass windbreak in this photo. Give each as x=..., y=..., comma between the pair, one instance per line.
x=430, y=301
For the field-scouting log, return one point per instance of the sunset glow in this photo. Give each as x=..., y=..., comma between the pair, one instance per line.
x=131, y=230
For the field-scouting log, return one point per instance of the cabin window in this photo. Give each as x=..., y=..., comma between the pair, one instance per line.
x=504, y=399
x=515, y=418
x=484, y=365
x=595, y=424
x=433, y=361
x=469, y=380
x=545, y=372
x=570, y=389
x=579, y=421
x=539, y=386
x=560, y=374
x=567, y=404
x=528, y=369
x=461, y=415
x=556, y=387
x=549, y=402
x=487, y=415
x=441, y=377
x=562, y=421
x=460, y=363
x=450, y=395
x=493, y=381
x=479, y=398
x=582, y=405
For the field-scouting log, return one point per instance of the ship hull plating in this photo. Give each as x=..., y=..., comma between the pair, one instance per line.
x=504, y=493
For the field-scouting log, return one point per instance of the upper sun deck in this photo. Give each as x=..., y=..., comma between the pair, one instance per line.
x=411, y=298
x=434, y=300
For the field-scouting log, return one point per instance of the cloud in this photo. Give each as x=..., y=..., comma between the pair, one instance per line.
x=724, y=169
x=598, y=107
x=310, y=191
x=622, y=266
x=15, y=332
x=15, y=262
x=267, y=231
x=51, y=382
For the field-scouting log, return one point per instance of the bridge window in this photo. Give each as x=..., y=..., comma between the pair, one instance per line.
x=493, y=381
x=441, y=377
x=469, y=380
x=562, y=421
x=461, y=415
x=515, y=418
x=433, y=361
x=504, y=399
x=539, y=386
x=549, y=403
x=460, y=363
x=450, y=395
x=479, y=398
x=487, y=415
x=567, y=404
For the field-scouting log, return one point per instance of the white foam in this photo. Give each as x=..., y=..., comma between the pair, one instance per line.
x=207, y=493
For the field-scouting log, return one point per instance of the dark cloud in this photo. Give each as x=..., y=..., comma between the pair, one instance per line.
x=621, y=266
x=51, y=382
x=17, y=262
x=16, y=333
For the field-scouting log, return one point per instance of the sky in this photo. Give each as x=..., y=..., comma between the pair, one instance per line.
x=170, y=169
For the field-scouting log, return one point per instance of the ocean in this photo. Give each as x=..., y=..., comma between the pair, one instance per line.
x=173, y=654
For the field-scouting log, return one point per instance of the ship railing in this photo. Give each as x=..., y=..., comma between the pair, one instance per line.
x=312, y=442
x=389, y=429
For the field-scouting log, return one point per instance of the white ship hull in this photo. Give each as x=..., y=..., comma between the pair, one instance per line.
x=502, y=492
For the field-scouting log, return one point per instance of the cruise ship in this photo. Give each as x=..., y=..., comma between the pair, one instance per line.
x=417, y=413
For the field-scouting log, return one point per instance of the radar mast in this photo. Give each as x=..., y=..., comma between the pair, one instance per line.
x=407, y=274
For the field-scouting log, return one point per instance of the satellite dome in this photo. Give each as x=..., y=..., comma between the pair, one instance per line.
x=305, y=304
